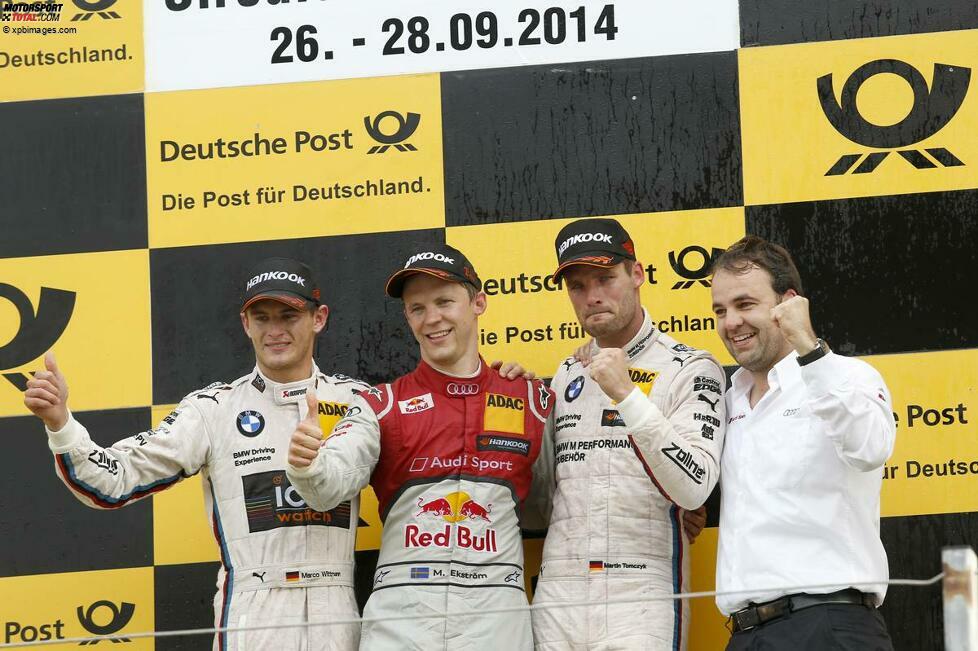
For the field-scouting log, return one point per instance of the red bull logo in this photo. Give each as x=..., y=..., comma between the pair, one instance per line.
x=416, y=404
x=455, y=507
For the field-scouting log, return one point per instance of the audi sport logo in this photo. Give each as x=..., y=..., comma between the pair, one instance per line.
x=462, y=389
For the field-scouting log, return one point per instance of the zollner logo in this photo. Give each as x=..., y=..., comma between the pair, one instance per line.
x=90, y=8
x=120, y=617
x=406, y=126
x=38, y=331
x=693, y=263
x=932, y=110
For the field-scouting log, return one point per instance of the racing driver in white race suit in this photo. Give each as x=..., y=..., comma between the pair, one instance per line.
x=449, y=450
x=281, y=562
x=637, y=436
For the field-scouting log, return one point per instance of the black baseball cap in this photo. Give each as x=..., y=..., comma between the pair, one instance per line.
x=595, y=242
x=439, y=260
x=281, y=279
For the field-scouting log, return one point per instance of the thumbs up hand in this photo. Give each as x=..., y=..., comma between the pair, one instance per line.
x=47, y=395
x=308, y=436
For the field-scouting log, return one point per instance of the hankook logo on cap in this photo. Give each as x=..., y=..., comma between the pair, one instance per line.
x=276, y=275
x=582, y=238
x=428, y=255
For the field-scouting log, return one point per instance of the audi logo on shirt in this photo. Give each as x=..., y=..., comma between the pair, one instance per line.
x=462, y=389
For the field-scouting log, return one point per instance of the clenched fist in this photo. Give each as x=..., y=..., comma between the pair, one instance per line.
x=308, y=436
x=609, y=368
x=792, y=318
x=47, y=395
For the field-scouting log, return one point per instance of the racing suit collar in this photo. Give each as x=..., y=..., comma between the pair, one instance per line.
x=452, y=386
x=645, y=337
x=284, y=393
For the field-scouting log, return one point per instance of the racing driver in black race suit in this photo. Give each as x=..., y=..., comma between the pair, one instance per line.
x=449, y=450
x=281, y=563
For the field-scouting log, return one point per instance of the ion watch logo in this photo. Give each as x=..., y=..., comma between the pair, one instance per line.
x=406, y=126
x=38, y=330
x=932, y=109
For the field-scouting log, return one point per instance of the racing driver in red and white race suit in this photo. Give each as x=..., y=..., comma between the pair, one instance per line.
x=449, y=450
x=281, y=563
x=637, y=436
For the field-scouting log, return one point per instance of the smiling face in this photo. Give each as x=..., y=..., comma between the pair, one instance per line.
x=606, y=300
x=742, y=302
x=445, y=321
x=283, y=338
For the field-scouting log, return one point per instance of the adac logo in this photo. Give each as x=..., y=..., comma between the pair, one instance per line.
x=120, y=614
x=91, y=7
x=693, y=263
x=454, y=507
x=406, y=126
x=932, y=110
x=38, y=330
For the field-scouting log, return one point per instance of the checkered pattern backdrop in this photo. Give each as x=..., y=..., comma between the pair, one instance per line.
x=808, y=134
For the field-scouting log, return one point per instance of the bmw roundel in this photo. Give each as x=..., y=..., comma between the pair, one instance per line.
x=251, y=423
x=574, y=388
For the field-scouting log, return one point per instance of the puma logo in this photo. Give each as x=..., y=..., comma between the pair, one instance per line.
x=259, y=576
x=712, y=403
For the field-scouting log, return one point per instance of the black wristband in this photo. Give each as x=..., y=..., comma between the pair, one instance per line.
x=820, y=350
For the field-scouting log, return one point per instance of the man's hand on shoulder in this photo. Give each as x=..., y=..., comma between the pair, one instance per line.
x=512, y=370
x=792, y=317
x=47, y=395
x=609, y=368
x=307, y=437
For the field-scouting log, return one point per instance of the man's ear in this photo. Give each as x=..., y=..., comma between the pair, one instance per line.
x=319, y=318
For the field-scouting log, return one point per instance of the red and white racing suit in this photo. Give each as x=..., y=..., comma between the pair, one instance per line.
x=450, y=460
x=281, y=562
x=624, y=472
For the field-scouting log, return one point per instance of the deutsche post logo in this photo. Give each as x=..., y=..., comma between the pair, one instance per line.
x=38, y=330
x=406, y=126
x=694, y=264
x=121, y=615
x=91, y=7
x=933, y=108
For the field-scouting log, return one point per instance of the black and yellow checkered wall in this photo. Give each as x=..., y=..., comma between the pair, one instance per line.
x=130, y=206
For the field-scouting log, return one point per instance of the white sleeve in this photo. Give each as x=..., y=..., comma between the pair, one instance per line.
x=135, y=467
x=853, y=404
x=345, y=462
x=535, y=515
x=680, y=450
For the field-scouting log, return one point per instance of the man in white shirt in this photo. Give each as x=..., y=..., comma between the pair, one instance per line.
x=807, y=437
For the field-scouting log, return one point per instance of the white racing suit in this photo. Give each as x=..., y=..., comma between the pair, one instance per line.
x=450, y=460
x=281, y=562
x=624, y=473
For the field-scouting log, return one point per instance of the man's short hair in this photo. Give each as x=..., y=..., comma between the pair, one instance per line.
x=751, y=251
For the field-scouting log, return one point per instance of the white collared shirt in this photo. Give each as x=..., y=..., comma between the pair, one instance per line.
x=800, y=481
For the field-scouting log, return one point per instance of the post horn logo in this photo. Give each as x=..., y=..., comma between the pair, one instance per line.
x=681, y=265
x=932, y=109
x=406, y=126
x=37, y=332
x=91, y=7
x=121, y=615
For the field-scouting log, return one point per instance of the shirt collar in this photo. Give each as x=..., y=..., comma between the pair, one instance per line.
x=644, y=338
x=453, y=386
x=284, y=393
x=785, y=374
